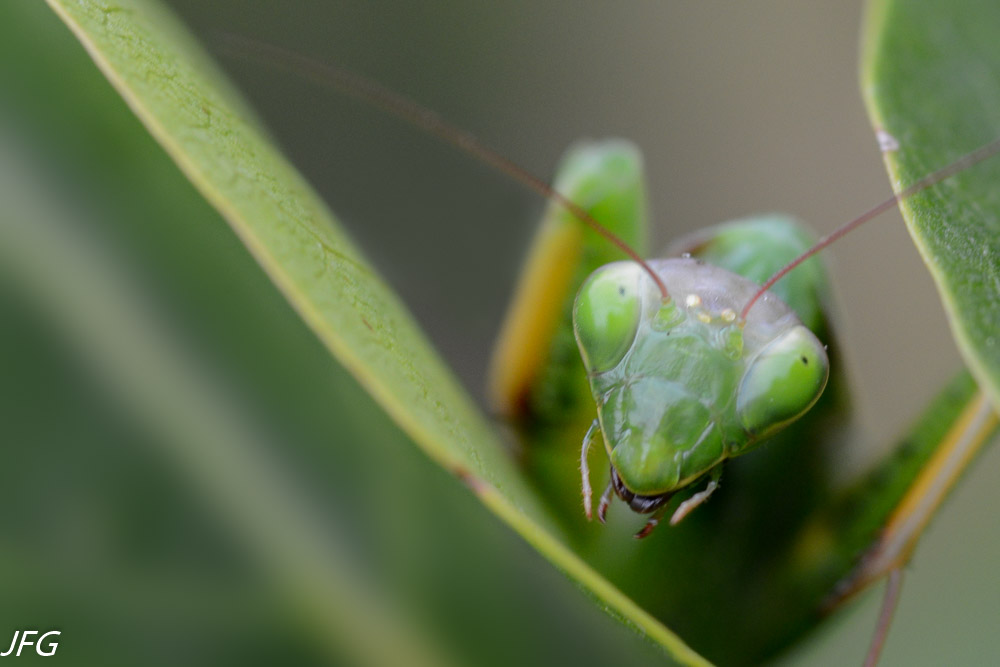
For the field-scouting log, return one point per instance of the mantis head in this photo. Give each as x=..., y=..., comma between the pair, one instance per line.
x=684, y=384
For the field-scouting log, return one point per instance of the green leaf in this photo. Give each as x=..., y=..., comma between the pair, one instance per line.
x=931, y=80
x=191, y=111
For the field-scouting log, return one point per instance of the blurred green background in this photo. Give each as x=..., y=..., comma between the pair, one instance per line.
x=123, y=528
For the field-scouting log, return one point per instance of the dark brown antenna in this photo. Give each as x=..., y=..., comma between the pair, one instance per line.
x=369, y=91
x=893, y=587
x=964, y=162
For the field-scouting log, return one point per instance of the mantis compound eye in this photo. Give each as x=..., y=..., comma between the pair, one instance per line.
x=606, y=315
x=784, y=380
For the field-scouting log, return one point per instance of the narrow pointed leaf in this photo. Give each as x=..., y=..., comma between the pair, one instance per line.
x=931, y=80
x=188, y=107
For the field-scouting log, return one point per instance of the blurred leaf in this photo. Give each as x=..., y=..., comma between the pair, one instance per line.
x=187, y=107
x=931, y=79
x=126, y=343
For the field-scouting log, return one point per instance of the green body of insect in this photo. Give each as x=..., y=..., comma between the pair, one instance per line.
x=683, y=385
x=680, y=385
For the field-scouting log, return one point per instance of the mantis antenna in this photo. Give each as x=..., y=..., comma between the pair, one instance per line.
x=967, y=160
x=404, y=108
